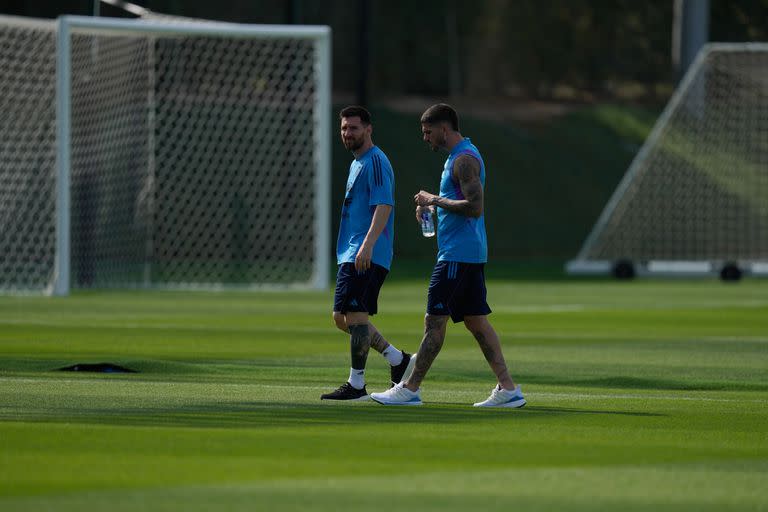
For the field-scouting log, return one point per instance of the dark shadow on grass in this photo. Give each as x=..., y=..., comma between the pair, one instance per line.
x=270, y=415
x=558, y=410
x=570, y=410
x=623, y=382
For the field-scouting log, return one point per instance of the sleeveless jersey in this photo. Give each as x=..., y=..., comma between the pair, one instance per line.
x=460, y=238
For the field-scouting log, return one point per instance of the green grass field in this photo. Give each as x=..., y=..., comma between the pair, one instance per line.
x=641, y=396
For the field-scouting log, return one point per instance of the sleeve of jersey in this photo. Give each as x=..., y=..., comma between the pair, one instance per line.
x=380, y=181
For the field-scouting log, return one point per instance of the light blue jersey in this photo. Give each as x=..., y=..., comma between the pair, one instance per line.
x=371, y=182
x=460, y=238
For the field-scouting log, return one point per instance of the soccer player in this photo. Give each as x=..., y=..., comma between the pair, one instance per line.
x=364, y=253
x=457, y=287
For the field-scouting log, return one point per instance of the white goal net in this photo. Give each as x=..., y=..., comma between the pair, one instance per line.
x=696, y=196
x=190, y=155
x=27, y=153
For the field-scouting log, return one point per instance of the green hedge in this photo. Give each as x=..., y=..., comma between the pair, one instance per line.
x=546, y=184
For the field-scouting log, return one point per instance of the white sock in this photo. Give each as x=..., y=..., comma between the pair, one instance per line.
x=357, y=378
x=393, y=355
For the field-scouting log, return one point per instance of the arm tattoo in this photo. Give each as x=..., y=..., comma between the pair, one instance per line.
x=466, y=170
x=434, y=335
x=360, y=342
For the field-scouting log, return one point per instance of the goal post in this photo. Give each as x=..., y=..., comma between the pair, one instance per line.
x=694, y=201
x=189, y=155
x=27, y=153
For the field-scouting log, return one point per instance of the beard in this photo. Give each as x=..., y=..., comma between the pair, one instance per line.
x=353, y=144
x=437, y=145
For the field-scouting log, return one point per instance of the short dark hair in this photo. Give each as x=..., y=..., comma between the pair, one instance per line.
x=356, y=111
x=441, y=113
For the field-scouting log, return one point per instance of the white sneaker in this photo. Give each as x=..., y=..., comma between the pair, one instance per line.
x=501, y=397
x=397, y=395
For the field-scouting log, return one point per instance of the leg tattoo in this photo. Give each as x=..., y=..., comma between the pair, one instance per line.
x=489, y=343
x=434, y=335
x=378, y=343
x=493, y=355
x=360, y=342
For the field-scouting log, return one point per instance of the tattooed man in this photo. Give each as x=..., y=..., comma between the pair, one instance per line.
x=457, y=287
x=364, y=253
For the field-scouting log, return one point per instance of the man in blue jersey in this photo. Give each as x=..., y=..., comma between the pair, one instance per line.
x=364, y=253
x=457, y=288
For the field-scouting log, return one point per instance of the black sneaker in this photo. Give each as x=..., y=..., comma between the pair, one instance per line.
x=346, y=392
x=396, y=373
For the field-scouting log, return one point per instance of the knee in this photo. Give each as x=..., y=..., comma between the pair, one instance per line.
x=434, y=322
x=472, y=327
x=340, y=320
x=475, y=325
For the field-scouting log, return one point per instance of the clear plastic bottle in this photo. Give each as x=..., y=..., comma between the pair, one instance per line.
x=427, y=223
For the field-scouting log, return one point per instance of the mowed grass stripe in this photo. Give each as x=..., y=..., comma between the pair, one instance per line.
x=663, y=487
x=40, y=384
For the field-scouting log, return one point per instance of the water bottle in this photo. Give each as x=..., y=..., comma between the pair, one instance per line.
x=427, y=223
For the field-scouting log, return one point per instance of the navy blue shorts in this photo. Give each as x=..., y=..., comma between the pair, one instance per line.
x=358, y=292
x=457, y=289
